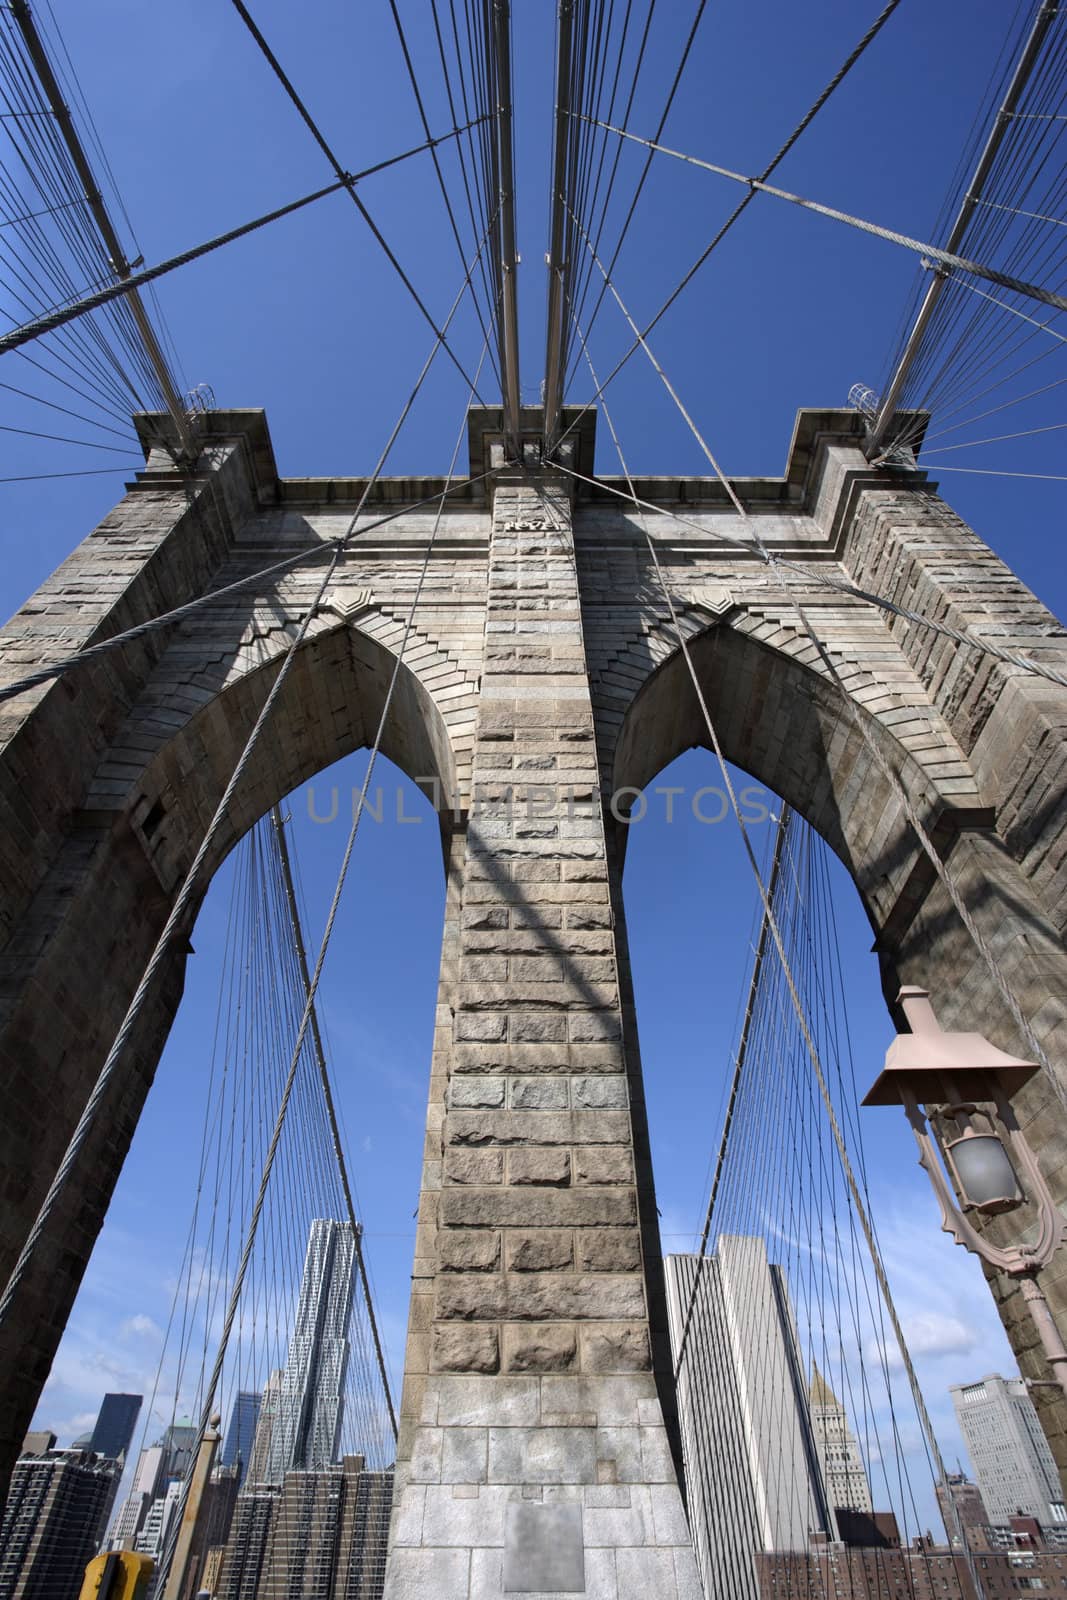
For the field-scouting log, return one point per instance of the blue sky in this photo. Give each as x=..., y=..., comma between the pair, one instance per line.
x=307, y=321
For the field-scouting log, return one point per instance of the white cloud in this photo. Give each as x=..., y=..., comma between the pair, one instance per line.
x=928, y=1333
x=140, y=1327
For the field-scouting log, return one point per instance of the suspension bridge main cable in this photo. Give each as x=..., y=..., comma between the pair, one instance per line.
x=185, y=898
x=888, y=771
x=628, y=219
x=320, y=139
x=809, y=116
x=61, y=315
x=947, y=258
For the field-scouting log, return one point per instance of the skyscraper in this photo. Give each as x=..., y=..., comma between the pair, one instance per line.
x=1012, y=1461
x=115, y=1423
x=56, y=1512
x=307, y=1427
x=320, y=1535
x=148, y=1480
x=259, y=1462
x=844, y=1474
x=753, y=1476
x=241, y=1433
x=961, y=1505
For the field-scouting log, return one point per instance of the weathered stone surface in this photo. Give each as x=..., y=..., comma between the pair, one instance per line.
x=538, y=1127
x=555, y=1296
x=541, y=1347
x=474, y=1166
x=477, y=1092
x=540, y=1094
x=623, y=1348
x=538, y=1208
x=465, y=1349
x=608, y=1250
x=610, y=1092
x=603, y=1164
x=546, y=1250
x=468, y=1250
x=542, y=1455
x=545, y=1166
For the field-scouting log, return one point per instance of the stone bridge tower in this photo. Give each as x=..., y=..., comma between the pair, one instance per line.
x=543, y=675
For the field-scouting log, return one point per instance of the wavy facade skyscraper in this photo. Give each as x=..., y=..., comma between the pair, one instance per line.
x=308, y=1407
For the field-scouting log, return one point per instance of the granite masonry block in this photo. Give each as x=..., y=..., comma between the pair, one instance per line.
x=540, y=1347
x=603, y=1164
x=608, y=1250
x=480, y=1167
x=468, y=1250
x=538, y=1208
x=537, y=1127
x=465, y=1349
x=544, y=1250
x=549, y=1165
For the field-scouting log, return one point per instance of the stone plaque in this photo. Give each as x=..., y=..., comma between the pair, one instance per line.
x=543, y=1549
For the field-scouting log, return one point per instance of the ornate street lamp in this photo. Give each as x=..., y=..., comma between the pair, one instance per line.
x=956, y=1090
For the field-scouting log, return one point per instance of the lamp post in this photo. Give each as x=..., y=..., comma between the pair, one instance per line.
x=955, y=1089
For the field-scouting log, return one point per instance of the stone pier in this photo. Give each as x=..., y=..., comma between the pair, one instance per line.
x=534, y=1454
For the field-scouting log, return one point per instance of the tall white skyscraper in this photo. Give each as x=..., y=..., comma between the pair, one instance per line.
x=1012, y=1461
x=845, y=1476
x=305, y=1428
x=752, y=1472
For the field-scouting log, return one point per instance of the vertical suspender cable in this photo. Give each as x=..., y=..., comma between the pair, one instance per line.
x=1042, y=22
x=120, y=265
x=553, y=397
x=327, y=1092
x=509, y=314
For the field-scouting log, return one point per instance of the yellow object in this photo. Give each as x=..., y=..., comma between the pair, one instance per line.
x=118, y=1575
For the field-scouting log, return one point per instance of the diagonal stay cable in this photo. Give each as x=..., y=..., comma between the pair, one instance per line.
x=885, y=767
x=661, y=124
x=190, y=887
x=787, y=971
x=802, y=125
x=80, y=416
x=114, y=291
x=776, y=160
x=814, y=575
x=320, y=139
x=300, y=951
x=312, y=990
x=585, y=280
x=781, y=564
x=947, y=258
x=417, y=92
x=166, y=619
x=740, y=1057
x=646, y=347
x=474, y=209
